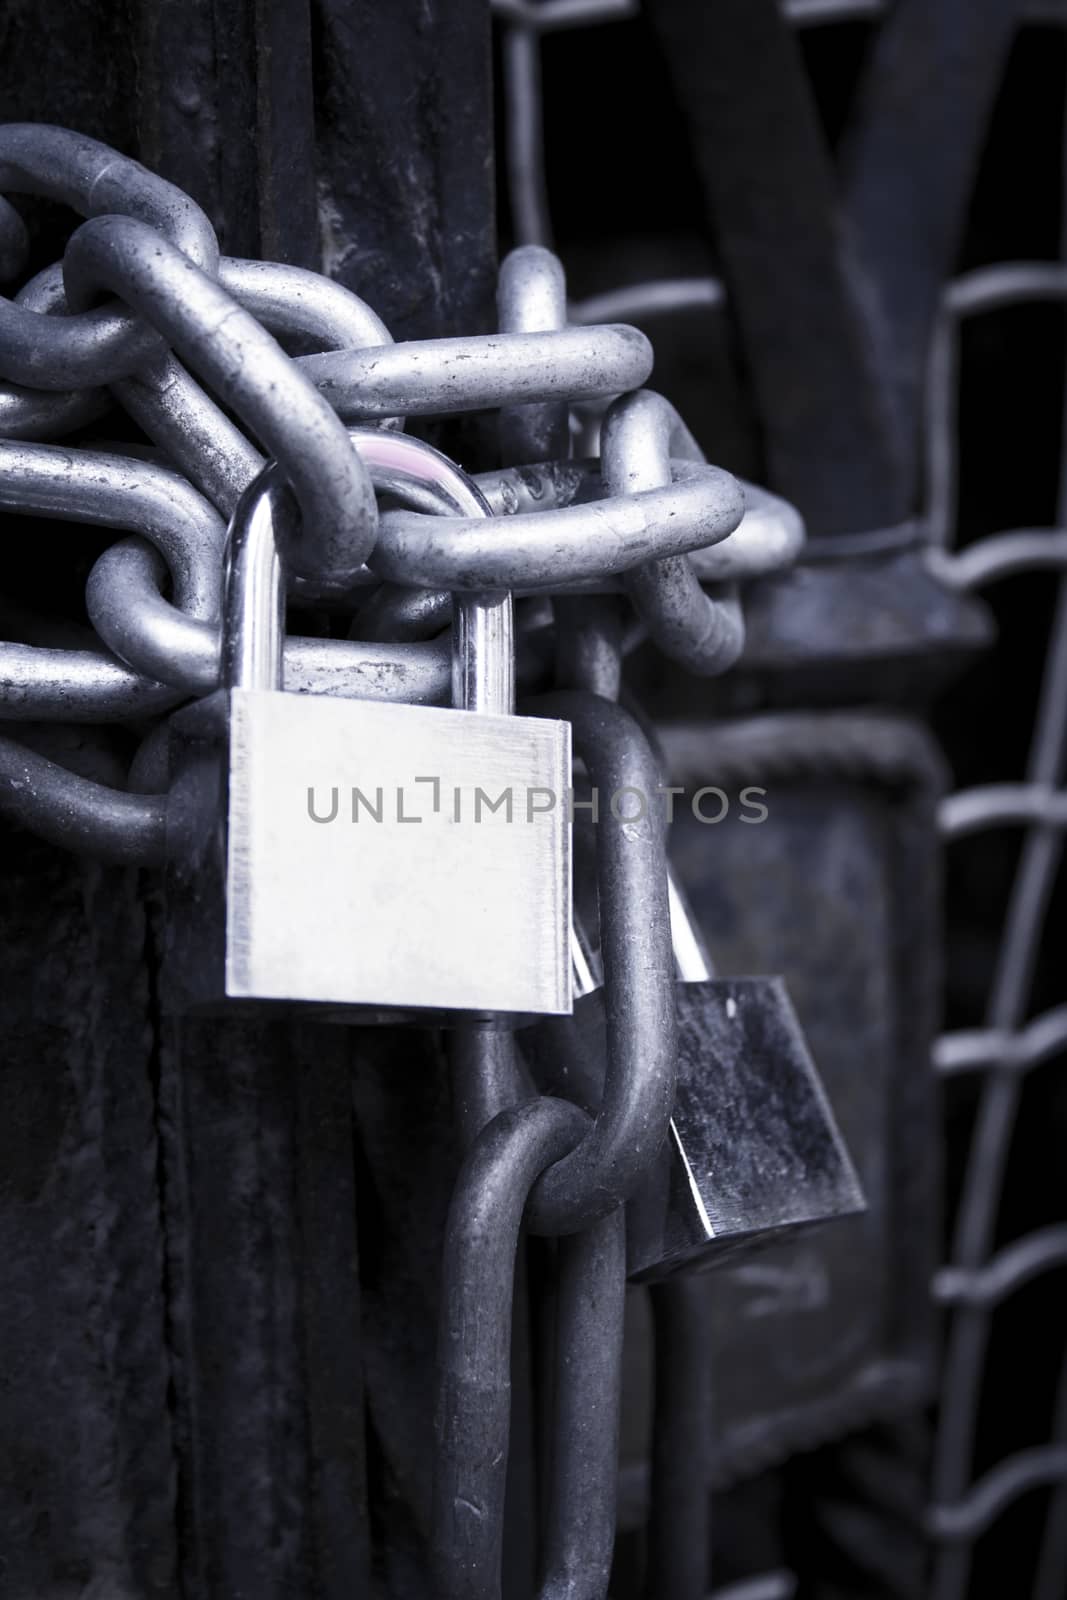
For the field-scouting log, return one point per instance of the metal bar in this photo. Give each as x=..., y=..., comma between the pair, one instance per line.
x=547, y=16
x=661, y=296
x=773, y=205
x=524, y=108
x=1005, y=1272
x=1003, y=554
x=995, y=804
x=987, y=289
x=1002, y=1050
x=909, y=163
x=964, y=1521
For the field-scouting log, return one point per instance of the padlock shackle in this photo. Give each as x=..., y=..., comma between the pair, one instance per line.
x=590, y=659
x=692, y=960
x=253, y=607
x=483, y=644
x=253, y=626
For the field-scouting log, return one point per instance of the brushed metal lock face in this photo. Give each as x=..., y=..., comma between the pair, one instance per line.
x=753, y=1151
x=373, y=855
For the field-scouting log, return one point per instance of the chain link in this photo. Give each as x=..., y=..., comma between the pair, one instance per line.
x=190, y=352
x=188, y=317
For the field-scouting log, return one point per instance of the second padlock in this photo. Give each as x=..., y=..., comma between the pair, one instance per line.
x=753, y=1149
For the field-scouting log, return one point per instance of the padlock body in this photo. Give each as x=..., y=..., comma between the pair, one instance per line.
x=338, y=854
x=753, y=1148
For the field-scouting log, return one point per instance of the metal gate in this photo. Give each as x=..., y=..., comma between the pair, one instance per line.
x=818, y=314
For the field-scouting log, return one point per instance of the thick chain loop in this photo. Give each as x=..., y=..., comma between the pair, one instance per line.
x=632, y=1119
x=224, y=343
x=218, y=361
x=185, y=317
x=705, y=633
x=102, y=343
x=78, y=814
x=474, y=1358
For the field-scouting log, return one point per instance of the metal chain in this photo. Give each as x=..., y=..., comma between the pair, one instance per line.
x=577, y=532
x=190, y=351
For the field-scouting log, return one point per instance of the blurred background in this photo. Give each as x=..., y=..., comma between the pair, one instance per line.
x=913, y=157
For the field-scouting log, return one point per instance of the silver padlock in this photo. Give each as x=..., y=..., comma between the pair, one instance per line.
x=753, y=1148
x=340, y=853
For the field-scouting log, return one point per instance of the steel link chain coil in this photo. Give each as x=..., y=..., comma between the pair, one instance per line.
x=190, y=351
x=183, y=315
